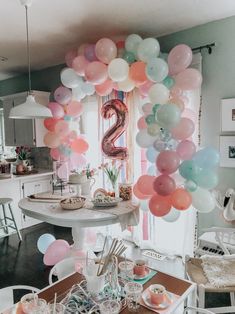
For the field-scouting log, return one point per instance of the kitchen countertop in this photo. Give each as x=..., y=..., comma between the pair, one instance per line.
x=41, y=172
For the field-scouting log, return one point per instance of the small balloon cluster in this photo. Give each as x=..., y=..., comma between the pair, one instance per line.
x=165, y=131
x=54, y=250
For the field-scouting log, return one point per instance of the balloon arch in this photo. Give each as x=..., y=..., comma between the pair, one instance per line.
x=164, y=131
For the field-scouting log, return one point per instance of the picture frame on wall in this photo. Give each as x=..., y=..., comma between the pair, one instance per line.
x=227, y=151
x=228, y=115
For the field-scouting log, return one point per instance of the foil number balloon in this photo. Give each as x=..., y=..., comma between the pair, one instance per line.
x=118, y=108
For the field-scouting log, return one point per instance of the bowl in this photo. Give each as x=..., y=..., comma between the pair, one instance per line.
x=72, y=203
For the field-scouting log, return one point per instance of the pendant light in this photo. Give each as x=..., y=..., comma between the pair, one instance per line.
x=30, y=109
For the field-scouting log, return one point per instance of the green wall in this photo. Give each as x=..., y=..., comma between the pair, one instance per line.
x=218, y=82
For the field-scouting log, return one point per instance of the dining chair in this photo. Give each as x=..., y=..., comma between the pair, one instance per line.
x=7, y=295
x=197, y=309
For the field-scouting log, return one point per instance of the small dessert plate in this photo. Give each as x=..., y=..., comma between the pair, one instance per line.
x=161, y=306
x=140, y=277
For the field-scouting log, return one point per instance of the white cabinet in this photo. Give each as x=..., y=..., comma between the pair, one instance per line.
x=23, y=131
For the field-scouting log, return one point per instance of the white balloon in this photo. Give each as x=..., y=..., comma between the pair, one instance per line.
x=203, y=200
x=148, y=48
x=172, y=216
x=77, y=93
x=127, y=85
x=143, y=139
x=118, y=70
x=156, y=70
x=158, y=94
x=69, y=78
x=132, y=42
x=88, y=88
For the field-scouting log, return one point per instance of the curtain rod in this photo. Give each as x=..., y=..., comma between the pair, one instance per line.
x=208, y=47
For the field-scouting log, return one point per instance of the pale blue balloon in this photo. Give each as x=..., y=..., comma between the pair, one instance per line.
x=207, y=158
x=132, y=43
x=207, y=179
x=165, y=135
x=144, y=205
x=190, y=186
x=68, y=118
x=151, y=154
x=172, y=144
x=168, y=116
x=172, y=216
x=163, y=55
x=189, y=170
x=152, y=170
x=44, y=242
x=156, y=70
x=159, y=145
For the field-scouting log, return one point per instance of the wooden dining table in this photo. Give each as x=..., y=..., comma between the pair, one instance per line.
x=180, y=287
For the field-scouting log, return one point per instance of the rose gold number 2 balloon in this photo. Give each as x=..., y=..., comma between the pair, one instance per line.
x=118, y=108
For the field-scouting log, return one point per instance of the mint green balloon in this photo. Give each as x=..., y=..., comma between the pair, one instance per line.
x=155, y=108
x=129, y=57
x=207, y=179
x=190, y=186
x=150, y=119
x=168, y=82
x=189, y=170
x=168, y=116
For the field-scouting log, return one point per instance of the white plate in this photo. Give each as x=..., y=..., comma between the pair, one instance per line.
x=168, y=300
x=140, y=277
x=107, y=204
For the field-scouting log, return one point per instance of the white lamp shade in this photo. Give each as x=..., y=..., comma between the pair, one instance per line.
x=30, y=110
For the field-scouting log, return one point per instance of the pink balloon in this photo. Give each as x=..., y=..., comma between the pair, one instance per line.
x=63, y=95
x=164, y=185
x=175, y=92
x=56, y=110
x=89, y=53
x=179, y=58
x=145, y=88
x=181, y=199
x=77, y=160
x=138, y=194
x=79, y=146
x=96, y=73
x=56, y=252
x=145, y=184
x=57, y=155
x=105, y=50
x=186, y=149
x=62, y=128
x=105, y=88
x=81, y=49
x=178, y=102
x=69, y=57
x=188, y=79
x=50, y=124
x=167, y=161
x=79, y=65
x=190, y=114
x=74, y=108
x=142, y=123
x=51, y=140
x=147, y=108
x=160, y=205
x=184, y=129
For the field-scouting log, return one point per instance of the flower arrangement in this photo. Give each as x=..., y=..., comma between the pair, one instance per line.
x=112, y=171
x=89, y=172
x=22, y=152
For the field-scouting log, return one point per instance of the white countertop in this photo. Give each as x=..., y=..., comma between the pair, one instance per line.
x=41, y=172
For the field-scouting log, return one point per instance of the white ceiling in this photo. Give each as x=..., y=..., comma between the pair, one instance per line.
x=57, y=25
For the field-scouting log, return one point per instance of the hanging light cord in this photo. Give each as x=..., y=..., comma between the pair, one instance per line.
x=28, y=48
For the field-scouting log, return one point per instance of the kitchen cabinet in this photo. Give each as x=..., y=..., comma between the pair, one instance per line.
x=19, y=132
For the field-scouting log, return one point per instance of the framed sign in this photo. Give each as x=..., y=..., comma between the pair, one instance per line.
x=227, y=151
x=228, y=115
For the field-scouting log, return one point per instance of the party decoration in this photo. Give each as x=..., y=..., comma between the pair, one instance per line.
x=179, y=58
x=137, y=72
x=160, y=205
x=96, y=72
x=79, y=65
x=164, y=185
x=181, y=199
x=156, y=70
x=119, y=109
x=168, y=116
x=56, y=110
x=188, y=79
x=148, y=49
x=63, y=95
x=172, y=216
x=145, y=184
x=44, y=242
x=158, y=94
x=105, y=50
x=118, y=70
x=56, y=252
x=167, y=161
x=132, y=43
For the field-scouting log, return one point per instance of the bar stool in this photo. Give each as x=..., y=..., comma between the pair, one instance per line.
x=8, y=222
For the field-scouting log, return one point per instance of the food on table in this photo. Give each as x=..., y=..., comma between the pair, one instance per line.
x=77, y=178
x=100, y=192
x=72, y=202
x=125, y=191
x=100, y=198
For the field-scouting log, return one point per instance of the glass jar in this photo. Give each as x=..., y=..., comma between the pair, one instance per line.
x=125, y=191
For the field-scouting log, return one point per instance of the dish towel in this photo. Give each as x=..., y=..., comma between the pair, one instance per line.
x=219, y=270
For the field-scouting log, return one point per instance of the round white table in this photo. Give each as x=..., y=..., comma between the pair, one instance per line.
x=126, y=213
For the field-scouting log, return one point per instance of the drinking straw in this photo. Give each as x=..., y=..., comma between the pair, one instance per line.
x=98, y=270
x=55, y=297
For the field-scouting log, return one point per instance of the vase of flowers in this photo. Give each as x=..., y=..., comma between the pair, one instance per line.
x=22, y=155
x=87, y=185
x=112, y=171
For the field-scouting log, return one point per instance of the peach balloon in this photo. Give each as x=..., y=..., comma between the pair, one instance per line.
x=105, y=88
x=51, y=140
x=137, y=72
x=81, y=49
x=141, y=124
x=160, y=205
x=50, y=123
x=105, y=50
x=138, y=194
x=96, y=73
x=188, y=79
x=145, y=184
x=74, y=108
x=79, y=65
x=70, y=56
x=62, y=128
x=144, y=88
x=184, y=129
x=167, y=161
x=186, y=149
x=181, y=199
x=175, y=92
x=79, y=146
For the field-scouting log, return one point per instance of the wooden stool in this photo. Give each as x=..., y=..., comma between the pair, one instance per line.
x=8, y=222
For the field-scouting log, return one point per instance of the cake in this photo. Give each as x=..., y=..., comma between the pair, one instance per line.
x=76, y=178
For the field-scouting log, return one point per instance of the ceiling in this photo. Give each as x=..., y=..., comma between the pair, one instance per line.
x=58, y=25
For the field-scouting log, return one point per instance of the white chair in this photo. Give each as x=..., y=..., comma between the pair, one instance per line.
x=189, y=308
x=225, y=238
x=7, y=295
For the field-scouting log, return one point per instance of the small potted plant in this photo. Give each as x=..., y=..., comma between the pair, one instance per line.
x=112, y=171
x=22, y=154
